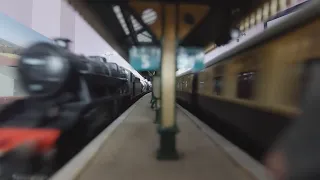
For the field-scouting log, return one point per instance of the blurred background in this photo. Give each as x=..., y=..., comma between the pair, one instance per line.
x=254, y=77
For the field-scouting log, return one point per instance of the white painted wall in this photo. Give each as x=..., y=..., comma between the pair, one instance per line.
x=10, y=82
x=87, y=40
x=46, y=17
x=54, y=18
x=7, y=85
x=51, y=18
x=67, y=23
x=20, y=10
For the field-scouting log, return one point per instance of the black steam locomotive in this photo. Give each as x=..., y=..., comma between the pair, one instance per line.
x=72, y=99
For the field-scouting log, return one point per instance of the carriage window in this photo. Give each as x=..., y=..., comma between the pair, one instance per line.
x=304, y=72
x=178, y=85
x=245, y=84
x=218, y=79
x=201, y=85
x=219, y=70
x=217, y=85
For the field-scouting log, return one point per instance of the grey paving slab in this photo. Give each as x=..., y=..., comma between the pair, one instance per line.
x=130, y=153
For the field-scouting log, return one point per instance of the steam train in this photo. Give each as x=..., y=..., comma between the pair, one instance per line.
x=72, y=99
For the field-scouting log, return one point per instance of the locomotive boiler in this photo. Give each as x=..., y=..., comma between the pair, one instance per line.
x=72, y=99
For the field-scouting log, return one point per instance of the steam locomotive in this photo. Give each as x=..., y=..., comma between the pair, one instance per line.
x=72, y=99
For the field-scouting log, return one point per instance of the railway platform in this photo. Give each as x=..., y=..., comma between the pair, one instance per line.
x=126, y=150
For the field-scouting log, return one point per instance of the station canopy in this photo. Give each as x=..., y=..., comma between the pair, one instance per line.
x=127, y=23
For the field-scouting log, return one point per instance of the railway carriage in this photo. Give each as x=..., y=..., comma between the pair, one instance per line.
x=251, y=93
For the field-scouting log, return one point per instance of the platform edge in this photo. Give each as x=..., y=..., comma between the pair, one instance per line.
x=253, y=167
x=77, y=164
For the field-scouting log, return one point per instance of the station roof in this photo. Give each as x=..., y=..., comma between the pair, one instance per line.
x=122, y=25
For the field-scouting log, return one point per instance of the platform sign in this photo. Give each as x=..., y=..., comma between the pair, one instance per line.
x=145, y=58
x=190, y=58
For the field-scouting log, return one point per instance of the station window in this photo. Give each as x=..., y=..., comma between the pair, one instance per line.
x=217, y=85
x=245, y=84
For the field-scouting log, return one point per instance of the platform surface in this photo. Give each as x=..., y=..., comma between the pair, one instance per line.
x=130, y=153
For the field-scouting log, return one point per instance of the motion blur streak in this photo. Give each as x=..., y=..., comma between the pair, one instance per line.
x=11, y=138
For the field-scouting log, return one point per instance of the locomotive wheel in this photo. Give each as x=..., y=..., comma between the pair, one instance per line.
x=104, y=118
x=94, y=123
x=115, y=109
x=116, y=104
x=75, y=139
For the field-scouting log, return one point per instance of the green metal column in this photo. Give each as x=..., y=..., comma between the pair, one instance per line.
x=168, y=127
x=157, y=95
x=153, y=100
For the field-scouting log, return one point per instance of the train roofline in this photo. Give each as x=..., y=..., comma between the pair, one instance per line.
x=309, y=11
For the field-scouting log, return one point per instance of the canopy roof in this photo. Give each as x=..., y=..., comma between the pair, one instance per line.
x=127, y=23
x=122, y=26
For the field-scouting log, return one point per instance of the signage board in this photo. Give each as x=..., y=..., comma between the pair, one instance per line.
x=190, y=58
x=145, y=58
